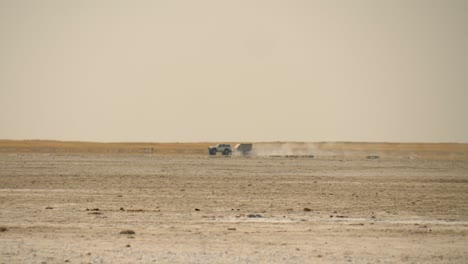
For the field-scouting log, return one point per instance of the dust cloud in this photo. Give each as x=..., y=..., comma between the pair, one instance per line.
x=323, y=149
x=285, y=149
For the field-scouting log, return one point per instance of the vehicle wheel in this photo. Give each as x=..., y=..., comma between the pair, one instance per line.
x=212, y=151
x=226, y=152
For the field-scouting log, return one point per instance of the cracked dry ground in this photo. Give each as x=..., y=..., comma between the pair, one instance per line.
x=199, y=209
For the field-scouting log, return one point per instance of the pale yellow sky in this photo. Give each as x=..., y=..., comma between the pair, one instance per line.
x=217, y=70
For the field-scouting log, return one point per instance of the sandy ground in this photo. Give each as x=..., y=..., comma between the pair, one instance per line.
x=71, y=208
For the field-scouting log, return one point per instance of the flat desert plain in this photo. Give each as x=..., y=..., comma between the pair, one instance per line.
x=187, y=207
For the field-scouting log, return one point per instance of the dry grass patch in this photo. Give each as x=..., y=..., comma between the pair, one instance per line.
x=456, y=151
x=50, y=146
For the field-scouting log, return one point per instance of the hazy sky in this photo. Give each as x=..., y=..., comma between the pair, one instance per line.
x=173, y=70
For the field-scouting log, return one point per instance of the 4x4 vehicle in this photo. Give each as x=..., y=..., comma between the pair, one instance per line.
x=223, y=148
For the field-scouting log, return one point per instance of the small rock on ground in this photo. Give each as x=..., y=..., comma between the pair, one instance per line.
x=127, y=232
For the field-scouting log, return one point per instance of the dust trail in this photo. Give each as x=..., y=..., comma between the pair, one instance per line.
x=370, y=151
x=283, y=149
x=322, y=149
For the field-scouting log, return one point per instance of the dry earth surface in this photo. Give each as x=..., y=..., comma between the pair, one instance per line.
x=191, y=208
